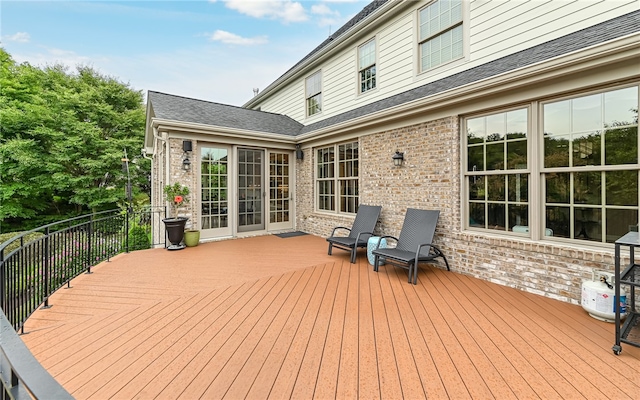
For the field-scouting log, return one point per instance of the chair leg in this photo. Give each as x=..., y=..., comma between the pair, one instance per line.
x=330, y=247
x=375, y=262
x=354, y=253
x=445, y=261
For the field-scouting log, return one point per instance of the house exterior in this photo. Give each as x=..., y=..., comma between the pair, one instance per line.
x=517, y=120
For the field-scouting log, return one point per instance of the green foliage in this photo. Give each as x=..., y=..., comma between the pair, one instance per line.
x=5, y=237
x=176, y=195
x=62, y=137
x=138, y=238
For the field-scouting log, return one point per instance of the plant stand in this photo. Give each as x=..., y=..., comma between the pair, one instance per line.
x=175, y=232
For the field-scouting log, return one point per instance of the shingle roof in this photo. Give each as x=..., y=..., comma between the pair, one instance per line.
x=184, y=109
x=190, y=110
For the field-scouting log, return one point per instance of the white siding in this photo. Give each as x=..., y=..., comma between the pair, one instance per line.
x=289, y=101
x=514, y=26
x=340, y=81
x=493, y=29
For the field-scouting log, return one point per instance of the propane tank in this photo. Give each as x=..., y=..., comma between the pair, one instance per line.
x=598, y=297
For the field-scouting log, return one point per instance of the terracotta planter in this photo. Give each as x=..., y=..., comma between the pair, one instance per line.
x=175, y=232
x=191, y=237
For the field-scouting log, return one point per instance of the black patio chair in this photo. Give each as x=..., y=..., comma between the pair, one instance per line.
x=359, y=233
x=414, y=244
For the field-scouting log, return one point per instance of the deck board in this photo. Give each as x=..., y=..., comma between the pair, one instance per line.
x=222, y=321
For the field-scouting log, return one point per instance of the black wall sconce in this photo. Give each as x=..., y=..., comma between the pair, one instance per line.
x=299, y=153
x=187, y=146
x=398, y=158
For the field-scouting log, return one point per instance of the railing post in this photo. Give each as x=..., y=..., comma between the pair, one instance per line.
x=126, y=232
x=3, y=279
x=47, y=268
x=89, y=246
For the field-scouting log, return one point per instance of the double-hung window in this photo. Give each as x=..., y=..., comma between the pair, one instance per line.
x=497, y=170
x=337, y=178
x=367, y=66
x=313, y=93
x=585, y=172
x=440, y=35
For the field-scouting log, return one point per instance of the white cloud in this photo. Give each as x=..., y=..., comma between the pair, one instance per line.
x=231, y=38
x=327, y=16
x=20, y=37
x=284, y=10
x=322, y=9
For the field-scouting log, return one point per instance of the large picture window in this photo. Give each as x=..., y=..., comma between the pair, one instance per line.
x=337, y=178
x=590, y=166
x=440, y=35
x=313, y=89
x=585, y=176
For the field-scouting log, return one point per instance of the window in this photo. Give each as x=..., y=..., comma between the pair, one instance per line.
x=367, y=66
x=497, y=169
x=440, y=33
x=590, y=166
x=337, y=178
x=314, y=94
x=587, y=177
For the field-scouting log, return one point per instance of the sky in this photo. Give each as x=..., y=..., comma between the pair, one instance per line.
x=214, y=50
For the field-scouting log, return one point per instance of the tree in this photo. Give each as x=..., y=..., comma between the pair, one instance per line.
x=62, y=138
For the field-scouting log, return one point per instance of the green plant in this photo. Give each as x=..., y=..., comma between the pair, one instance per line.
x=176, y=195
x=138, y=238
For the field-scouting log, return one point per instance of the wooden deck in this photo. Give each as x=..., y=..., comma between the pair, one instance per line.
x=266, y=317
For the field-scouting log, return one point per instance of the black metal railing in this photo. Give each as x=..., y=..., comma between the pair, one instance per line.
x=34, y=264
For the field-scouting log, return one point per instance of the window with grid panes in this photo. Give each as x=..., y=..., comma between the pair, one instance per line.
x=313, y=88
x=586, y=172
x=440, y=33
x=497, y=170
x=367, y=66
x=337, y=178
x=590, y=170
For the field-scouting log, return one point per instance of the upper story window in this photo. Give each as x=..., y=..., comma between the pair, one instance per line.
x=440, y=33
x=314, y=93
x=367, y=66
x=337, y=178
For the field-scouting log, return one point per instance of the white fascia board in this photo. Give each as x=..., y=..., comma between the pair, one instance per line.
x=369, y=20
x=195, y=128
x=618, y=50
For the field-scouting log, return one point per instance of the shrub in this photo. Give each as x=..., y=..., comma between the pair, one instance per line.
x=138, y=238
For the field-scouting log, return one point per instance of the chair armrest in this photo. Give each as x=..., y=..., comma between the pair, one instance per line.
x=362, y=233
x=437, y=251
x=339, y=227
x=385, y=237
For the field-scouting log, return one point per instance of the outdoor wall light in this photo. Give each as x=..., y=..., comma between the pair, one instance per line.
x=186, y=164
x=187, y=146
x=398, y=158
x=299, y=153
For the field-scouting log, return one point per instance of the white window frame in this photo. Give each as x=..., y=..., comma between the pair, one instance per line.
x=370, y=65
x=313, y=92
x=337, y=178
x=448, y=32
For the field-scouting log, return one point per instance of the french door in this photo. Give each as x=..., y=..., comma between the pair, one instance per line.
x=250, y=190
x=214, y=185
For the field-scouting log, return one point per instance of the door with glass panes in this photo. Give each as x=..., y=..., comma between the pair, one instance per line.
x=214, y=186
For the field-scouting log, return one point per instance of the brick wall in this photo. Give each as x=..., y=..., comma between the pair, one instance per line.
x=430, y=179
x=177, y=174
